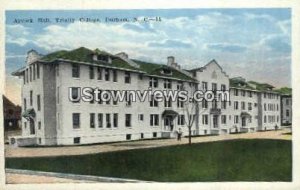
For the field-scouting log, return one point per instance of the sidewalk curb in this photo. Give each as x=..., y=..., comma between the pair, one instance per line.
x=75, y=176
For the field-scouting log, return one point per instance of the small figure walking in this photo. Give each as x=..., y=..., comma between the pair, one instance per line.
x=179, y=133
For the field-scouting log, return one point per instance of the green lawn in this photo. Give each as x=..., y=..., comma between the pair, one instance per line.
x=235, y=160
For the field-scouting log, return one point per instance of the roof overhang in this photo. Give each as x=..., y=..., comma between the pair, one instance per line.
x=169, y=112
x=29, y=113
x=245, y=114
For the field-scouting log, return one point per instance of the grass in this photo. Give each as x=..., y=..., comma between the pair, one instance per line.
x=234, y=160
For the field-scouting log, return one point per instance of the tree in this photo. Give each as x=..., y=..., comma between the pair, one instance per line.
x=191, y=111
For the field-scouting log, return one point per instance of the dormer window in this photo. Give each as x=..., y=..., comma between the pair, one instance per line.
x=166, y=71
x=101, y=57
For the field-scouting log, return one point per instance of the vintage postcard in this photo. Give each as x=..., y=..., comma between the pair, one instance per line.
x=150, y=95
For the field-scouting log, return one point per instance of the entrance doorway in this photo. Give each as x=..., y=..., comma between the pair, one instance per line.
x=215, y=121
x=168, y=122
x=244, y=122
x=32, y=127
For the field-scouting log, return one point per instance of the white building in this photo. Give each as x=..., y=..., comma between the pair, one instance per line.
x=50, y=118
x=286, y=109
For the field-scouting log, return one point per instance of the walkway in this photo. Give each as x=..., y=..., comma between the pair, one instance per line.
x=92, y=149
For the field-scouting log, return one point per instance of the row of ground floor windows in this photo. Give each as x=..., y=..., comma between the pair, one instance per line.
x=76, y=140
x=110, y=120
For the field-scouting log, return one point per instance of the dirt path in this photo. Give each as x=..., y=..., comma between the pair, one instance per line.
x=91, y=149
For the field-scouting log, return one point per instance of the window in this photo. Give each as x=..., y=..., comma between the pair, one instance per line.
x=214, y=104
x=154, y=119
x=287, y=101
x=153, y=82
x=75, y=71
x=243, y=93
x=30, y=72
x=180, y=86
x=236, y=92
x=38, y=71
x=115, y=76
x=153, y=102
x=205, y=119
x=106, y=74
x=249, y=106
x=250, y=119
x=265, y=119
x=107, y=98
x=128, y=98
x=223, y=119
x=100, y=120
x=287, y=113
x=115, y=120
x=128, y=136
x=154, y=134
x=250, y=94
x=115, y=101
x=180, y=104
x=243, y=105
x=223, y=87
x=33, y=71
x=236, y=105
x=76, y=120
x=168, y=103
x=127, y=120
x=38, y=102
x=127, y=77
x=91, y=71
x=223, y=104
x=92, y=120
x=141, y=76
x=99, y=73
x=108, y=124
x=167, y=84
x=180, y=120
x=204, y=103
x=204, y=86
x=39, y=125
x=167, y=71
x=25, y=104
x=236, y=119
x=214, y=88
x=76, y=140
x=31, y=97
x=277, y=107
x=75, y=94
x=142, y=135
x=141, y=117
x=265, y=107
x=25, y=124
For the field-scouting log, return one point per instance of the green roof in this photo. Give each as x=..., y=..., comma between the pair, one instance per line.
x=261, y=86
x=240, y=84
x=155, y=69
x=83, y=54
x=284, y=91
x=250, y=85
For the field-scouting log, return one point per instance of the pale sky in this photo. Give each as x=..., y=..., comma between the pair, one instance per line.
x=252, y=43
